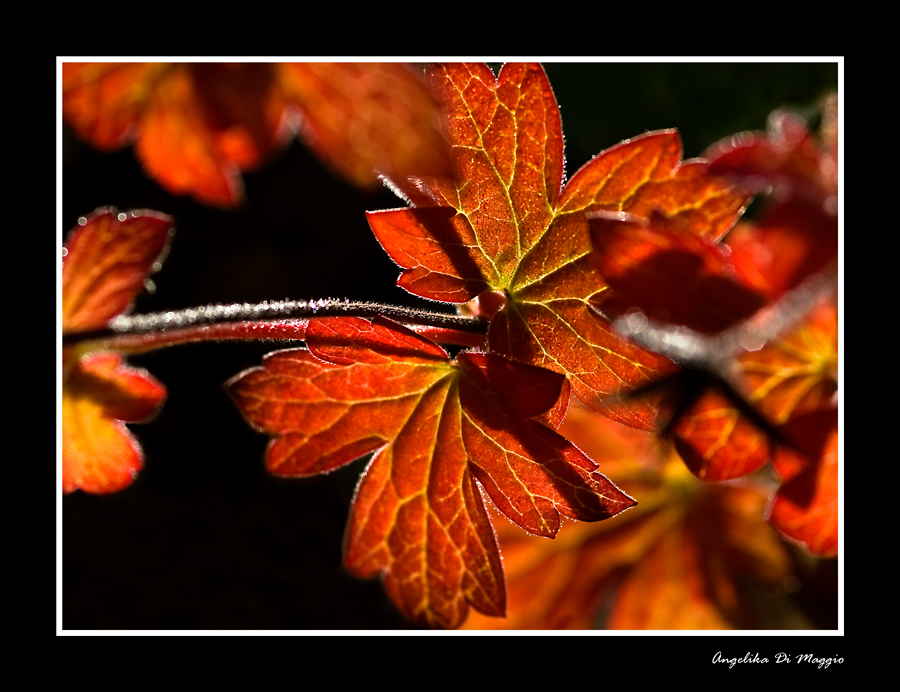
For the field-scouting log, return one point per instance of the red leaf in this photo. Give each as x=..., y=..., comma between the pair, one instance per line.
x=196, y=126
x=718, y=443
x=436, y=426
x=792, y=241
x=788, y=377
x=99, y=453
x=779, y=369
x=207, y=122
x=531, y=472
x=658, y=268
x=796, y=373
x=669, y=274
x=805, y=509
x=680, y=560
x=436, y=245
x=368, y=120
x=798, y=234
x=786, y=157
x=508, y=226
x=107, y=259
x=104, y=102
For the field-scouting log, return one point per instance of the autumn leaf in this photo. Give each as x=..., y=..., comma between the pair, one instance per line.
x=805, y=509
x=104, y=102
x=750, y=372
x=682, y=559
x=669, y=274
x=797, y=372
x=105, y=262
x=675, y=273
x=507, y=227
x=107, y=258
x=787, y=156
x=100, y=394
x=369, y=120
x=748, y=408
x=196, y=126
x=779, y=258
x=797, y=235
x=791, y=375
x=441, y=429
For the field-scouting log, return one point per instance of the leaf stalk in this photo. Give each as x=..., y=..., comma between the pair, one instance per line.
x=268, y=320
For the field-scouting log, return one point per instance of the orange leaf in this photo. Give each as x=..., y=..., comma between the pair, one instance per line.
x=796, y=373
x=508, y=225
x=368, y=120
x=788, y=377
x=679, y=560
x=99, y=453
x=108, y=257
x=717, y=442
x=797, y=236
x=786, y=156
x=793, y=240
x=196, y=126
x=436, y=425
x=104, y=102
x=206, y=122
x=669, y=274
x=805, y=509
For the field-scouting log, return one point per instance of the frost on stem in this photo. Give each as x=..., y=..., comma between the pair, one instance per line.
x=284, y=319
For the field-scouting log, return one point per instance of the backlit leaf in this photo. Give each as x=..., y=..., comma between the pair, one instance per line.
x=100, y=394
x=798, y=234
x=717, y=442
x=108, y=257
x=509, y=226
x=805, y=510
x=792, y=241
x=104, y=102
x=749, y=370
x=206, y=122
x=105, y=263
x=796, y=373
x=196, y=126
x=436, y=426
x=679, y=560
x=669, y=274
x=368, y=120
x=786, y=156
x=796, y=239
x=789, y=376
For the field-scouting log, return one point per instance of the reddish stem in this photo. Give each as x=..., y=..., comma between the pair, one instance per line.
x=149, y=341
x=287, y=320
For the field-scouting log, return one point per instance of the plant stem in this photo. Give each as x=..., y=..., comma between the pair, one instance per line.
x=273, y=320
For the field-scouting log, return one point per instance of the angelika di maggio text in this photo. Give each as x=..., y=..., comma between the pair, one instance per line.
x=821, y=662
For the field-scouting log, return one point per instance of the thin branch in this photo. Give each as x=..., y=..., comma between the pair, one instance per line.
x=710, y=360
x=285, y=319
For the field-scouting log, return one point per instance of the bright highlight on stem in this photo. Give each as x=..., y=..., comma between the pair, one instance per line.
x=283, y=319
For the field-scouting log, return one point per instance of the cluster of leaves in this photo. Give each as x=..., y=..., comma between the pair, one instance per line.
x=636, y=234
x=683, y=558
x=196, y=126
x=104, y=267
x=776, y=375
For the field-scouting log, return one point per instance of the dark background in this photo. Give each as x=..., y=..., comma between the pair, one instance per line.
x=205, y=538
